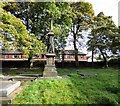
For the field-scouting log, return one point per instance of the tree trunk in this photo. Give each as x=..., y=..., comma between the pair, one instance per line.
x=105, y=59
x=62, y=59
x=76, y=51
x=92, y=58
x=30, y=63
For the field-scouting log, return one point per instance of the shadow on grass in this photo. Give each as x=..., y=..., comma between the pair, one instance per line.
x=105, y=101
x=93, y=91
x=18, y=71
x=114, y=90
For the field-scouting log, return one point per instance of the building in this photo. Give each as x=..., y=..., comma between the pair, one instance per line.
x=12, y=55
x=67, y=55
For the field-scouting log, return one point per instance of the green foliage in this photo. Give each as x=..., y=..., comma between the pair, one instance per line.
x=82, y=16
x=116, y=42
x=103, y=35
x=114, y=60
x=100, y=89
x=37, y=15
x=13, y=35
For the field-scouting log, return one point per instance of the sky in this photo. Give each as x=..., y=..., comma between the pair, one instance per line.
x=109, y=7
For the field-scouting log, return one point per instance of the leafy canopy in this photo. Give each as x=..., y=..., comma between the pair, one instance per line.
x=13, y=35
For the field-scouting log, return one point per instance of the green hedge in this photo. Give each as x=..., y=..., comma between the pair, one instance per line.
x=115, y=60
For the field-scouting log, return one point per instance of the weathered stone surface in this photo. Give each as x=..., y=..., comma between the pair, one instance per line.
x=50, y=71
x=87, y=75
x=7, y=87
x=1, y=77
x=7, y=100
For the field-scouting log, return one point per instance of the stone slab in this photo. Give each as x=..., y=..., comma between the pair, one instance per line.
x=7, y=87
x=31, y=75
x=9, y=98
x=50, y=54
x=17, y=77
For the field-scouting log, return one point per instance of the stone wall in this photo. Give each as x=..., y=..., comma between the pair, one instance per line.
x=41, y=64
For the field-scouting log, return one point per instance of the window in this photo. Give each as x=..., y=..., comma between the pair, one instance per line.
x=34, y=56
x=60, y=56
x=6, y=56
x=68, y=56
x=15, y=56
x=73, y=56
x=81, y=57
x=20, y=56
x=41, y=56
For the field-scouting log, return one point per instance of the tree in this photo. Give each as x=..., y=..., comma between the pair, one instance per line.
x=36, y=17
x=102, y=35
x=115, y=47
x=82, y=17
x=91, y=44
x=13, y=35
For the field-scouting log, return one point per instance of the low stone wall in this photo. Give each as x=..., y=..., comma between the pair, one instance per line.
x=81, y=64
x=14, y=64
x=41, y=64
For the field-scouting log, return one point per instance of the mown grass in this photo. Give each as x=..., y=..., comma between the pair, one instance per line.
x=73, y=89
x=18, y=71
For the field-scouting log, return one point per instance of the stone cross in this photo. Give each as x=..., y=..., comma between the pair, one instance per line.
x=50, y=69
x=50, y=47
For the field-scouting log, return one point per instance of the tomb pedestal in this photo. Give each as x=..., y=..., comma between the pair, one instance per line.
x=50, y=69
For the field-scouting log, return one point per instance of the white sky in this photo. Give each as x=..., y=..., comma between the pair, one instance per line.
x=109, y=7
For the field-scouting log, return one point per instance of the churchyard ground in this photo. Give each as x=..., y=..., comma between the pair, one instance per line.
x=77, y=86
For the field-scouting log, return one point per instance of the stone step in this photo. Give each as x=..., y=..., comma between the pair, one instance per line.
x=7, y=87
x=31, y=75
x=5, y=100
x=9, y=98
x=17, y=78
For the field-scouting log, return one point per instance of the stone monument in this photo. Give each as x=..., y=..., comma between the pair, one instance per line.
x=50, y=69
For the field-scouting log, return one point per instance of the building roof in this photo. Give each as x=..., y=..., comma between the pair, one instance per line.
x=71, y=52
x=10, y=52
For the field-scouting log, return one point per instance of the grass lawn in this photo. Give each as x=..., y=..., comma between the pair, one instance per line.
x=17, y=71
x=101, y=87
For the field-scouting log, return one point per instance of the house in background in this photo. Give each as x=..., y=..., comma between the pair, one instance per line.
x=12, y=55
x=68, y=55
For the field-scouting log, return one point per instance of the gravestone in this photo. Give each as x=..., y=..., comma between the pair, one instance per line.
x=7, y=87
x=50, y=69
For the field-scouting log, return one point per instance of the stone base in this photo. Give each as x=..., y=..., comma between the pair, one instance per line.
x=7, y=87
x=50, y=71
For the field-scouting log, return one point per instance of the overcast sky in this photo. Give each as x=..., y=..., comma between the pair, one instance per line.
x=109, y=7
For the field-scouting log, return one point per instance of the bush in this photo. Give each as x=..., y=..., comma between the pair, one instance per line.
x=115, y=60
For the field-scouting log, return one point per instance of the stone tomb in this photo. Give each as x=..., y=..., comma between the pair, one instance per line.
x=7, y=87
x=50, y=69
